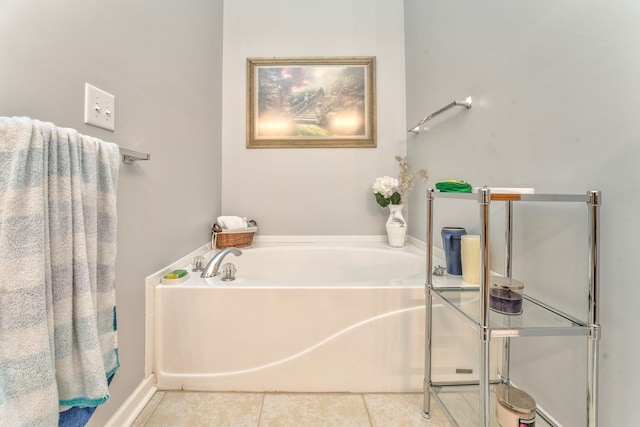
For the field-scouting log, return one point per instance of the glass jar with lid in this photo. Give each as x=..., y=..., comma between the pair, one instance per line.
x=505, y=295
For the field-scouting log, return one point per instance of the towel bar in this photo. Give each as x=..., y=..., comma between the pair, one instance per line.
x=465, y=103
x=130, y=156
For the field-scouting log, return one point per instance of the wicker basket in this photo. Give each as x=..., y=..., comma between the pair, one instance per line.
x=240, y=238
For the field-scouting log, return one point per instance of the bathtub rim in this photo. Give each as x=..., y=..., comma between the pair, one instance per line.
x=416, y=280
x=413, y=246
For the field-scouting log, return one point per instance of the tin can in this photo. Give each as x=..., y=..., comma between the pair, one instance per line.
x=514, y=407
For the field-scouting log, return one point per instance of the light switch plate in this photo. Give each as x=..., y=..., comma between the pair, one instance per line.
x=99, y=108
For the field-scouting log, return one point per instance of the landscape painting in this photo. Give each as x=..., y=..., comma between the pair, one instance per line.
x=311, y=102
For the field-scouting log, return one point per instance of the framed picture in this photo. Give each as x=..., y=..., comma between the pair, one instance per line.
x=311, y=102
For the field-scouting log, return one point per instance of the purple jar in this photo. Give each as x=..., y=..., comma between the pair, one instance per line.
x=505, y=295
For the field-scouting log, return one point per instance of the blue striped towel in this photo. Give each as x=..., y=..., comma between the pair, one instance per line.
x=57, y=270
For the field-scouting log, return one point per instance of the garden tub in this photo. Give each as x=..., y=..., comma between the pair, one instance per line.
x=307, y=318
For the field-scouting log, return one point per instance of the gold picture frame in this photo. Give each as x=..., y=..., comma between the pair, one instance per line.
x=311, y=102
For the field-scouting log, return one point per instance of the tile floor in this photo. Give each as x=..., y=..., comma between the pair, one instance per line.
x=201, y=409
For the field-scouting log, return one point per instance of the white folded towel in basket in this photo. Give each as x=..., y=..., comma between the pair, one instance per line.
x=232, y=222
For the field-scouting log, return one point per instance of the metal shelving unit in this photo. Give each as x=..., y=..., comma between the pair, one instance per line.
x=537, y=319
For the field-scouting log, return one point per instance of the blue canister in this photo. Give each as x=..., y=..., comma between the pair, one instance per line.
x=451, y=243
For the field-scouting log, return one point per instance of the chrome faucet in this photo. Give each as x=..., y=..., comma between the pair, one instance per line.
x=214, y=264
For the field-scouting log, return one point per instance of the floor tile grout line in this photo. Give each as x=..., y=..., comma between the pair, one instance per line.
x=366, y=408
x=264, y=395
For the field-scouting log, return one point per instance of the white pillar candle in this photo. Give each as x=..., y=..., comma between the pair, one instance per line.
x=471, y=259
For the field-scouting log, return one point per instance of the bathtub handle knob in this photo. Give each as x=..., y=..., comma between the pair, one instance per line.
x=228, y=272
x=198, y=263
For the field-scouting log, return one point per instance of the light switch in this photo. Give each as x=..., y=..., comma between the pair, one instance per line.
x=99, y=108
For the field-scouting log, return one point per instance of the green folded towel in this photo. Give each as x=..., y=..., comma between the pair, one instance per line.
x=453, y=186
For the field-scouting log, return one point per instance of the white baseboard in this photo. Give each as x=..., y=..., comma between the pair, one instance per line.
x=135, y=403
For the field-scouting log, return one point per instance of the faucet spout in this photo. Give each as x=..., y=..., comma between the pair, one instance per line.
x=214, y=264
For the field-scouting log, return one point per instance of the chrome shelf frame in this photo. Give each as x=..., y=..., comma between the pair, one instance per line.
x=538, y=318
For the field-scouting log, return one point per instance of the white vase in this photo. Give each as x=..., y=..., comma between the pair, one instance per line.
x=396, y=226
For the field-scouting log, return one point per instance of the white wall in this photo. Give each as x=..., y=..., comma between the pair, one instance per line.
x=554, y=85
x=311, y=191
x=161, y=60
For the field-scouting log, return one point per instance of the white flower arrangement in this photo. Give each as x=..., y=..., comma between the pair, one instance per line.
x=386, y=191
x=389, y=190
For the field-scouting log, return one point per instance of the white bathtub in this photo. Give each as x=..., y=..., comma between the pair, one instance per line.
x=312, y=318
